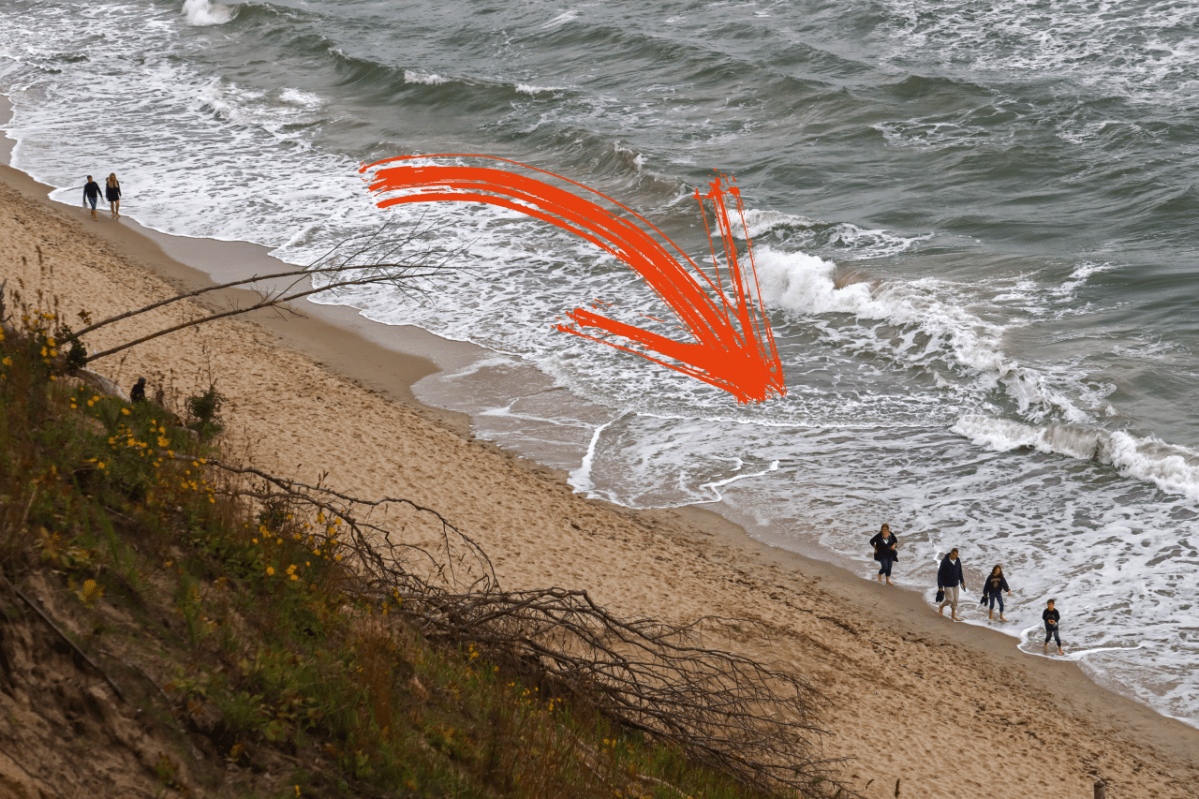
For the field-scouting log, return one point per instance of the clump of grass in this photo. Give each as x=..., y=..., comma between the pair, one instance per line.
x=204, y=412
x=280, y=659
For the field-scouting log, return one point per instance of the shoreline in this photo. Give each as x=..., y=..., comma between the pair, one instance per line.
x=862, y=608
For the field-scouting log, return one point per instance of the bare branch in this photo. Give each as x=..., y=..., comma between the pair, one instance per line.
x=370, y=261
x=268, y=302
x=757, y=722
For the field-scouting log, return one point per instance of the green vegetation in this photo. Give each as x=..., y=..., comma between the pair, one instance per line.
x=247, y=615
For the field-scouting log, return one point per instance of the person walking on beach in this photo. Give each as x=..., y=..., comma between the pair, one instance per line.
x=885, y=545
x=91, y=194
x=996, y=585
x=1051, y=618
x=949, y=578
x=112, y=193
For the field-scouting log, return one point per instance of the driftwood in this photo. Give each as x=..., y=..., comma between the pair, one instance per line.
x=102, y=384
x=754, y=721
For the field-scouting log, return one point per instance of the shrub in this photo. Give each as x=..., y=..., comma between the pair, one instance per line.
x=204, y=413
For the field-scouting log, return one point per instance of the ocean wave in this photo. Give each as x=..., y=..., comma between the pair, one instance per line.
x=426, y=78
x=1145, y=51
x=1170, y=467
x=926, y=134
x=526, y=88
x=205, y=12
x=300, y=97
x=284, y=115
x=843, y=238
x=807, y=285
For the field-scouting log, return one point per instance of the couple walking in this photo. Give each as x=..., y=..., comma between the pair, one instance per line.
x=112, y=193
x=950, y=580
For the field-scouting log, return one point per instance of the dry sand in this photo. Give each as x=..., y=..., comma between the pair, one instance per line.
x=948, y=710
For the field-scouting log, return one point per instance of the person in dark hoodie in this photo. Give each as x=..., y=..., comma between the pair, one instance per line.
x=91, y=194
x=949, y=578
x=885, y=545
x=1051, y=618
x=996, y=585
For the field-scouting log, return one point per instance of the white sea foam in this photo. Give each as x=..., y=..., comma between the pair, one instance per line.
x=759, y=222
x=925, y=135
x=427, y=78
x=566, y=16
x=807, y=285
x=300, y=97
x=1172, y=468
x=1146, y=53
x=804, y=233
x=528, y=88
x=205, y=12
x=1068, y=287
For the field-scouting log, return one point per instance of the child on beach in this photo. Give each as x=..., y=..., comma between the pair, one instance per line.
x=996, y=585
x=1052, y=617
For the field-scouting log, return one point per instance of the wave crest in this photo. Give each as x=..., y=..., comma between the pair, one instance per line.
x=1168, y=466
x=205, y=12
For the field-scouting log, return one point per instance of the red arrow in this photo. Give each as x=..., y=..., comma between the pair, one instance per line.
x=732, y=346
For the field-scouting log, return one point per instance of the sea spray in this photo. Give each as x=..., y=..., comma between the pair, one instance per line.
x=205, y=12
x=1172, y=468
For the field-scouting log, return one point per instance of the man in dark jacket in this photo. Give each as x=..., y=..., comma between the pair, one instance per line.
x=949, y=578
x=91, y=193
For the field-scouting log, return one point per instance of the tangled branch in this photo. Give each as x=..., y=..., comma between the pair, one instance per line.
x=727, y=711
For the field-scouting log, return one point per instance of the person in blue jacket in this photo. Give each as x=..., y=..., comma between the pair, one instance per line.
x=949, y=578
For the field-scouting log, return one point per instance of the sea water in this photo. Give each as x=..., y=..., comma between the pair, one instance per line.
x=973, y=225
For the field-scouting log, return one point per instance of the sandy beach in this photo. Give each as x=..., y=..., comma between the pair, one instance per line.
x=917, y=706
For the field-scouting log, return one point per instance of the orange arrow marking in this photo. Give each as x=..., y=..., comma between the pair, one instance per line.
x=731, y=346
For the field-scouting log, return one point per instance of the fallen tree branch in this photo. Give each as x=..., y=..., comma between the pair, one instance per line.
x=370, y=263
x=756, y=722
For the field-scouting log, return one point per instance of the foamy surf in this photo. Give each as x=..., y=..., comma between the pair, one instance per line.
x=205, y=12
x=937, y=329
x=1172, y=468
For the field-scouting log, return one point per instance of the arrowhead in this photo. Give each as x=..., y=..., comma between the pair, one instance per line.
x=732, y=347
